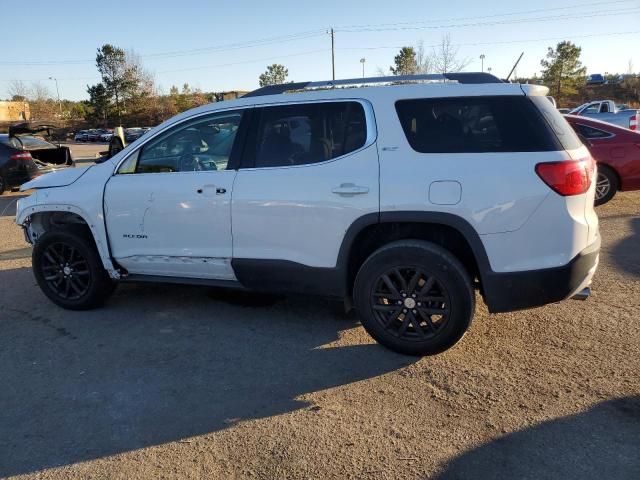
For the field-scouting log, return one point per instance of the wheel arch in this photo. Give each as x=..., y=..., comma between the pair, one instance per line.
x=615, y=172
x=450, y=231
x=38, y=219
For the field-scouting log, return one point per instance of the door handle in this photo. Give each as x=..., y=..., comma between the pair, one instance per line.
x=349, y=189
x=209, y=190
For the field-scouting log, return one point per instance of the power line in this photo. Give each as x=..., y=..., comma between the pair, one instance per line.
x=521, y=12
x=357, y=28
x=264, y=59
x=198, y=51
x=565, y=37
x=202, y=67
x=381, y=47
x=600, y=13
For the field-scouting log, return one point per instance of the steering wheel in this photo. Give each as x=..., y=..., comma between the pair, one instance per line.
x=188, y=163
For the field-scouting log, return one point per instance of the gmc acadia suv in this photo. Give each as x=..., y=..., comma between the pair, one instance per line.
x=401, y=196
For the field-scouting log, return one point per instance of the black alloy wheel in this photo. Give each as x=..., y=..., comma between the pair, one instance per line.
x=65, y=271
x=414, y=297
x=410, y=304
x=69, y=269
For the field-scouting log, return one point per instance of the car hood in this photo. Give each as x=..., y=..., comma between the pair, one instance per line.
x=59, y=178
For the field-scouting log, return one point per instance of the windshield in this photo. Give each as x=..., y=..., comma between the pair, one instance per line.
x=577, y=109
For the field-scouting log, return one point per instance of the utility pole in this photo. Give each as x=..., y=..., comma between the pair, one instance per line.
x=333, y=55
x=58, y=93
x=482, y=62
x=362, y=60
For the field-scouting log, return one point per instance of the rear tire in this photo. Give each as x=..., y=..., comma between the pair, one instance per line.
x=69, y=271
x=414, y=297
x=3, y=185
x=607, y=185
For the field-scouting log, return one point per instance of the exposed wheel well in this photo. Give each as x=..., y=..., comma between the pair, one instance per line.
x=42, y=222
x=375, y=236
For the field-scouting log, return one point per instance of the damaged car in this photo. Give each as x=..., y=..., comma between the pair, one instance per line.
x=25, y=156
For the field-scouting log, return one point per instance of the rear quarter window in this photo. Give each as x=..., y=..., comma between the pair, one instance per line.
x=561, y=128
x=31, y=143
x=477, y=125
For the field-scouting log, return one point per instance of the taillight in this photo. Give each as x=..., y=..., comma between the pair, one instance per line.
x=572, y=177
x=22, y=156
x=633, y=122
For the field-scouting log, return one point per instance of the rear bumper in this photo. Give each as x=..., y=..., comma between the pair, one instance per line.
x=506, y=292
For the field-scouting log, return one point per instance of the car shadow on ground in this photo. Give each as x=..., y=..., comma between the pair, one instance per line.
x=626, y=253
x=159, y=364
x=603, y=442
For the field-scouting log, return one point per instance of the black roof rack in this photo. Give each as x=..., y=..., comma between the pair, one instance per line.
x=471, y=77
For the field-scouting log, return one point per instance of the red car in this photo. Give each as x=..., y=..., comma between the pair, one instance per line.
x=617, y=151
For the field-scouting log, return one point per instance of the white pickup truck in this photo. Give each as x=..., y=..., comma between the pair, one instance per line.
x=608, y=111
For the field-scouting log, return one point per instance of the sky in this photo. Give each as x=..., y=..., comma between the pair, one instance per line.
x=224, y=45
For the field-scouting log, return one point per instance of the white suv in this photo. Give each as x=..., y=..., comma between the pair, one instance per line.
x=401, y=196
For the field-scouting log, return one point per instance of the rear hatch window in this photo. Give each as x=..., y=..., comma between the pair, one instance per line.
x=479, y=124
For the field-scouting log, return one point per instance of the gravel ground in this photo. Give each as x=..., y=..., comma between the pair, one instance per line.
x=184, y=382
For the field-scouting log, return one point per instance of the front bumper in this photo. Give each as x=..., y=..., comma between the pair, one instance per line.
x=506, y=292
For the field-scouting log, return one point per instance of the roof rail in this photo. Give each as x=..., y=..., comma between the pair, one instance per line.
x=470, y=77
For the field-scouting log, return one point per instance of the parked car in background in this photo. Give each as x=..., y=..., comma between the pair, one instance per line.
x=81, y=136
x=608, y=111
x=93, y=135
x=132, y=134
x=24, y=156
x=105, y=135
x=596, y=79
x=617, y=151
x=564, y=110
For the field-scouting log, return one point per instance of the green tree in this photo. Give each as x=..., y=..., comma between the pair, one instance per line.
x=119, y=77
x=405, y=62
x=275, y=74
x=98, y=103
x=562, y=70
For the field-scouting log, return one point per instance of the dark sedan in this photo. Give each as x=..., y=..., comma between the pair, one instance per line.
x=24, y=157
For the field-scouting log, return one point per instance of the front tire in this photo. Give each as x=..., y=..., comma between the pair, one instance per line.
x=69, y=271
x=607, y=185
x=414, y=297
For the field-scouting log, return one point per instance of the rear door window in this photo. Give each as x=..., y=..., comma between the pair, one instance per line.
x=302, y=134
x=476, y=125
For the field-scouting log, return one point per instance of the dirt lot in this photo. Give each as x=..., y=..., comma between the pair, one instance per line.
x=184, y=382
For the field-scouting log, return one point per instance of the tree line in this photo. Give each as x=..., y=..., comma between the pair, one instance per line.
x=127, y=94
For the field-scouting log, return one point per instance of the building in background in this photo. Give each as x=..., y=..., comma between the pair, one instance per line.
x=232, y=95
x=14, y=112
